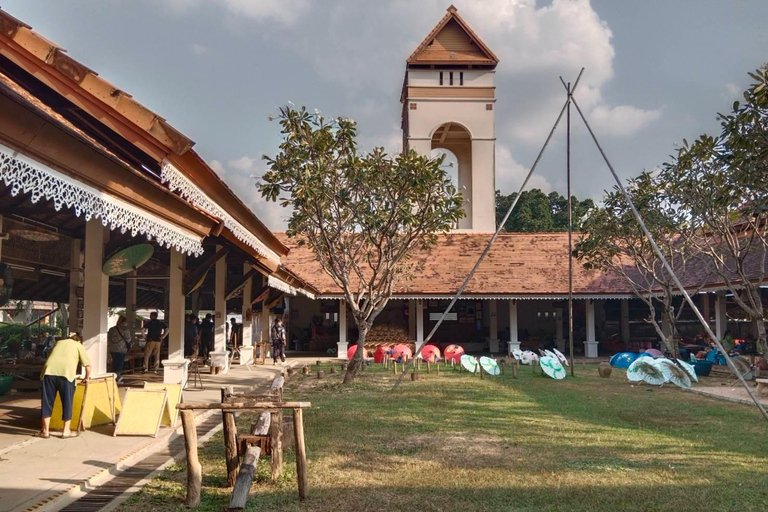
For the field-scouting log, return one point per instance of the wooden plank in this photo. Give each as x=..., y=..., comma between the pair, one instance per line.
x=301, y=452
x=242, y=406
x=244, y=480
x=194, y=470
x=276, y=442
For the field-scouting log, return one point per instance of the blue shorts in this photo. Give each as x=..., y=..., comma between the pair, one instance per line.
x=66, y=389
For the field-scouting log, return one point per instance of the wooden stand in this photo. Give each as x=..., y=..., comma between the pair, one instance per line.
x=194, y=470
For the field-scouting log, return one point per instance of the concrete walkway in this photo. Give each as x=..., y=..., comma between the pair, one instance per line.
x=732, y=393
x=34, y=472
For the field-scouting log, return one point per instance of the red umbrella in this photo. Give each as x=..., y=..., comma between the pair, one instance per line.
x=351, y=352
x=401, y=351
x=654, y=353
x=453, y=353
x=381, y=351
x=430, y=353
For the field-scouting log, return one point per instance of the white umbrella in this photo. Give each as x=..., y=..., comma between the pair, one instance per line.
x=469, y=363
x=644, y=369
x=529, y=357
x=673, y=373
x=561, y=356
x=552, y=367
x=689, y=370
x=517, y=354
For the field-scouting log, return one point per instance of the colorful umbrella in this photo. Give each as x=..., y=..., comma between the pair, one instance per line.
x=125, y=260
x=430, y=353
x=689, y=369
x=490, y=366
x=517, y=354
x=552, y=367
x=528, y=357
x=645, y=369
x=469, y=363
x=561, y=356
x=673, y=373
x=654, y=353
x=353, y=349
x=623, y=359
x=453, y=353
x=401, y=352
x=380, y=352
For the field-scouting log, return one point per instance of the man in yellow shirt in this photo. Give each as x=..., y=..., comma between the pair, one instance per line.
x=58, y=376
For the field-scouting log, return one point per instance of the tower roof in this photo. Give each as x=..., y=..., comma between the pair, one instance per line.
x=452, y=41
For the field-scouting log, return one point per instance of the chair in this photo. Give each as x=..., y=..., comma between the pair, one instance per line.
x=194, y=370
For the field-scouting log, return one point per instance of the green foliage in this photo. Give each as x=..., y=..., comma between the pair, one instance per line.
x=363, y=214
x=540, y=212
x=13, y=336
x=720, y=185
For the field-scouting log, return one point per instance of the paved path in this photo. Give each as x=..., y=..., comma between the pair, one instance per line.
x=730, y=393
x=34, y=471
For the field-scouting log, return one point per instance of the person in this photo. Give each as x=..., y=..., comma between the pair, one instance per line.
x=118, y=343
x=234, y=331
x=191, y=335
x=155, y=330
x=278, y=341
x=727, y=341
x=206, y=336
x=58, y=376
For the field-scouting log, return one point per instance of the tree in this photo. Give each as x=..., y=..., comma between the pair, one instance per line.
x=612, y=241
x=363, y=215
x=538, y=212
x=720, y=184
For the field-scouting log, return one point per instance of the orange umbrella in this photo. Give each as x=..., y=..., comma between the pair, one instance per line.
x=430, y=353
x=454, y=353
x=401, y=352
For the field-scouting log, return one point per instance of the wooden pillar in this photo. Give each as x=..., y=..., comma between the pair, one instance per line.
x=494, y=326
x=247, y=318
x=301, y=452
x=513, y=342
x=96, y=295
x=721, y=318
x=75, y=281
x=559, y=339
x=220, y=316
x=625, y=334
x=419, y=323
x=130, y=303
x=194, y=470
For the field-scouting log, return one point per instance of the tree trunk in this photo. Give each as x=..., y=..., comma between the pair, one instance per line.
x=357, y=359
x=762, y=343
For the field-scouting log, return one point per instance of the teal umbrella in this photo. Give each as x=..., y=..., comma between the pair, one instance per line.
x=128, y=259
x=469, y=363
x=490, y=366
x=552, y=366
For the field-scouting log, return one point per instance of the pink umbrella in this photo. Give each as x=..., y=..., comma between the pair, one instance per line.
x=654, y=353
x=430, y=353
x=381, y=351
x=401, y=352
x=454, y=353
x=353, y=349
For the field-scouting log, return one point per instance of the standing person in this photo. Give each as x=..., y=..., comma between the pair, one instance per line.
x=278, y=341
x=155, y=333
x=206, y=336
x=191, y=335
x=234, y=333
x=118, y=344
x=58, y=376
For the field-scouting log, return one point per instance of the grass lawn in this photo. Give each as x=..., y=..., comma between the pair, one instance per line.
x=527, y=444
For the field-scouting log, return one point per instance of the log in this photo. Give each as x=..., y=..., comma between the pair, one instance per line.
x=244, y=479
x=333, y=369
x=230, y=439
x=301, y=452
x=305, y=370
x=194, y=470
x=320, y=374
x=414, y=376
x=239, y=406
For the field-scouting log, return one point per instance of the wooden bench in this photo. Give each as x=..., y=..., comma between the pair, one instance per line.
x=762, y=385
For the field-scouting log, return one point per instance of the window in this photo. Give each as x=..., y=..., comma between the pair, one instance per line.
x=441, y=78
x=413, y=106
x=489, y=106
x=461, y=78
x=450, y=78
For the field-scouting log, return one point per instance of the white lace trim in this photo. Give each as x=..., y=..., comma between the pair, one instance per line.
x=178, y=182
x=23, y=174
x=281, y=285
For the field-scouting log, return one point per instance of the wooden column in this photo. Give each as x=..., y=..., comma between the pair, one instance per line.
x=96, y=295
x=220, y=316
x=301, y=452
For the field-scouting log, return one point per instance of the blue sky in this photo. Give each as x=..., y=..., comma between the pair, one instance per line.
x=656, y=71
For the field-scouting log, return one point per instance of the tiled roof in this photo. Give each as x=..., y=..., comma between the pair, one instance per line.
x=452, y=41
x=524, y=264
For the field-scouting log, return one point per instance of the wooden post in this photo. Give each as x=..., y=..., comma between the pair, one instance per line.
x=438, y=369
x=301, y=452
x=333, y=369
x=242, y=487
x=320, y=374
x=479, y=369
x=230, y=439
x=276, y=434
x=305, y=370
x=194, y=470
x=429, y=367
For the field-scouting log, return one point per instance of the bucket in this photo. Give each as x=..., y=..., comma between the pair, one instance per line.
x=5, y=384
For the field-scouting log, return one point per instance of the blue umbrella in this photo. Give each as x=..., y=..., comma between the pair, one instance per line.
x=623, y=359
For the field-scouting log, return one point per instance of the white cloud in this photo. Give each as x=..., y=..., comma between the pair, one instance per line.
x=621, y=120
x=243, y=164
x=732, y=91
x=199, y=49
x=510, y=173
x=286, y=12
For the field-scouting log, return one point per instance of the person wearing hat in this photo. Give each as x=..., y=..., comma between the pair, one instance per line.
x=58, y=376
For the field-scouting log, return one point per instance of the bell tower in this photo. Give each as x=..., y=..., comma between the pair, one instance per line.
x=448, y=101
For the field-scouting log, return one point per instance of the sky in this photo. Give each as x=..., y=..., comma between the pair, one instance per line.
x=656, y=72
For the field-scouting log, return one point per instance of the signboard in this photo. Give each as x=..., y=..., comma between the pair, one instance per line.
x=434, y=317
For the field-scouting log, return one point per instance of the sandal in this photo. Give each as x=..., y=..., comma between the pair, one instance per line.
x=42, y=435
x=71, y=435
